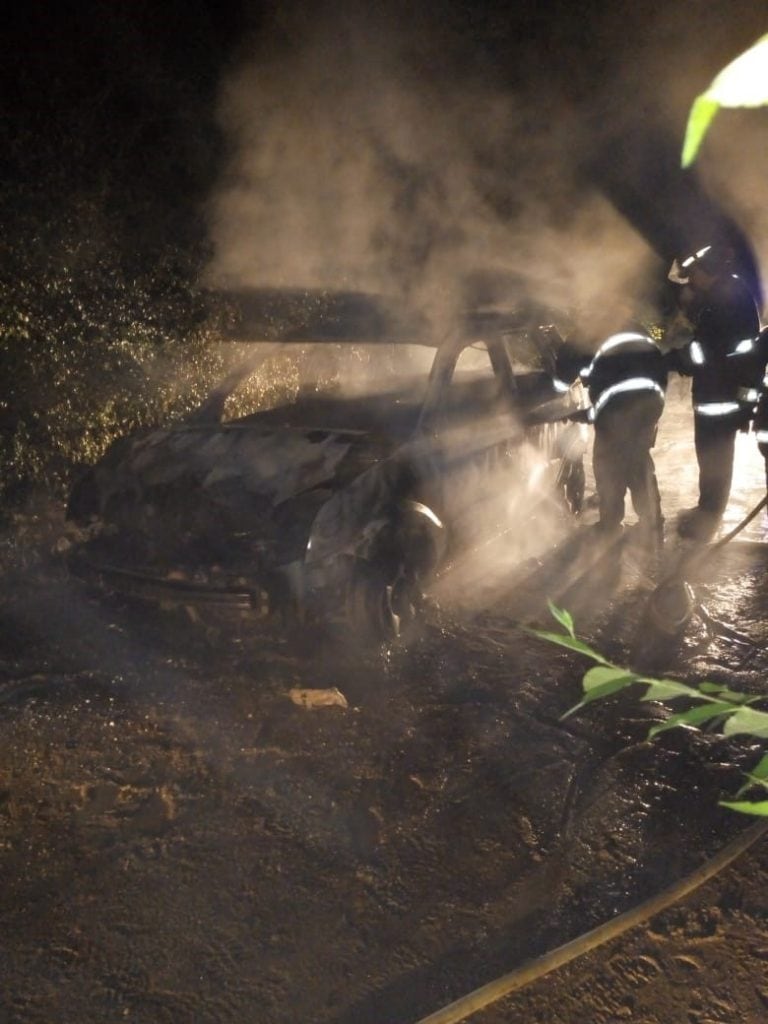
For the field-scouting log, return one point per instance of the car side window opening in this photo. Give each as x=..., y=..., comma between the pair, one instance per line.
x=475, y=387
x=275, y=375
x=471, y=381
x=525, y=354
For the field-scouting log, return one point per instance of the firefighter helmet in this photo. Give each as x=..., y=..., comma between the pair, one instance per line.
x=712, y=258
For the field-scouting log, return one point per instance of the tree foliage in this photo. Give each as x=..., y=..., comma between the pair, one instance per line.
x=90, y=346
x=742, y=83
x=109, y=151
x=708, y=705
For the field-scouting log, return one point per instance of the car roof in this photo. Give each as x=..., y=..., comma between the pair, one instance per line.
x=304, y=315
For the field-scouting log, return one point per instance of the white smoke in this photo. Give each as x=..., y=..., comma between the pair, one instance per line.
x=358, y=161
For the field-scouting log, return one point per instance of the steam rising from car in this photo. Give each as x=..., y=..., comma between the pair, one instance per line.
x=395, y=150
x=407, y=174
x=445, y=182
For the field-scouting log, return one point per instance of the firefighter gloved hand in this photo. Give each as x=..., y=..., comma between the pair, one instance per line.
x=551, y=333
x=678, y=360
x=578, y=416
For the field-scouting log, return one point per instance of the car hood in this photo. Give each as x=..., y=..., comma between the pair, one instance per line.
x=273, y=464
x=238, y=467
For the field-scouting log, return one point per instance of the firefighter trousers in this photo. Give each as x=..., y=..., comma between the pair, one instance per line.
x=715, y=440
x=625, y=433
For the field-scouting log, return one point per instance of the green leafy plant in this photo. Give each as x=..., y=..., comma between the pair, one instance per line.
x=711, y=705
x=742, y=83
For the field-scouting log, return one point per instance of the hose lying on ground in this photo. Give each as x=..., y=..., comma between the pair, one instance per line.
x=740, y=526
x=532, y=970
x=699, y=555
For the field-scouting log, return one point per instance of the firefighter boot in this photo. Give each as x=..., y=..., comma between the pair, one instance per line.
x=698, y=524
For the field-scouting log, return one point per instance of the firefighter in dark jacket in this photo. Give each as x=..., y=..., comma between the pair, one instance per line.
x=726, y=362
x=760, y=422
x=626, y=382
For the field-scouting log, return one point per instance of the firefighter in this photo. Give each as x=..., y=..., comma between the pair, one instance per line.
x=626, y=382
x=761, y=416
x=725, y=360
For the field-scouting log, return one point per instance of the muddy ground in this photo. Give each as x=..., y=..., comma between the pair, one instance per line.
x=179, y=842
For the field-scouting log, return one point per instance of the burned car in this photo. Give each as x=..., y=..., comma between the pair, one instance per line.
x=342, y=502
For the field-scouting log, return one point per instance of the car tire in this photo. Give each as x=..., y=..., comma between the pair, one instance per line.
x=575, y=485
x=384, y=602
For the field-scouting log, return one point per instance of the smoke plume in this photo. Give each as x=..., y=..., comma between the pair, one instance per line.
x=369, y=156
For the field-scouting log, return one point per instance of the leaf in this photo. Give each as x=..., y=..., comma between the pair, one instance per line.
x=760, y=771
x=571, y=642
x=597, y=693
x=604, y=674
x=562, y=616
x=742, y=83
x=747, y=720
x=732, y=696
x=710, y=687
x=668, y=689
x=693, y=717
x=750, y=783
x=700, y=118
x=758, y=807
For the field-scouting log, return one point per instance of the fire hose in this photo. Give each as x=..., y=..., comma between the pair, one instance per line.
x=735, y=531
x=532, y=970
x=672, y=603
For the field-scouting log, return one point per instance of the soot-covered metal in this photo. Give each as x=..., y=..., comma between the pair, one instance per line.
x=335, y=505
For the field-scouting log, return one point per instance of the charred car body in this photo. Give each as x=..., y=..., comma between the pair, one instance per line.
x=337, y=505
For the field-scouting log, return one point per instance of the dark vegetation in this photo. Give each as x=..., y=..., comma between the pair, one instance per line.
x=110, y=149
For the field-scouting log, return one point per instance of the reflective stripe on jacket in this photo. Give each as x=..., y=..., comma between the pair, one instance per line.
x=627, y=362
x=728, y=351
x=716, y=409
x=633, y=384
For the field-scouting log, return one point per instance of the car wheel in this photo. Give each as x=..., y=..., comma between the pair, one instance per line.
x=383, y=602
x=570, y=484
x=575, y=484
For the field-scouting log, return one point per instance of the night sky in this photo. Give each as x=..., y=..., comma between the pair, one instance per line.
x=418, y=136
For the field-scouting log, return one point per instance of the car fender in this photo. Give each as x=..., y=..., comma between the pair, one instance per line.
x=376, y=511
x=412, y=529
